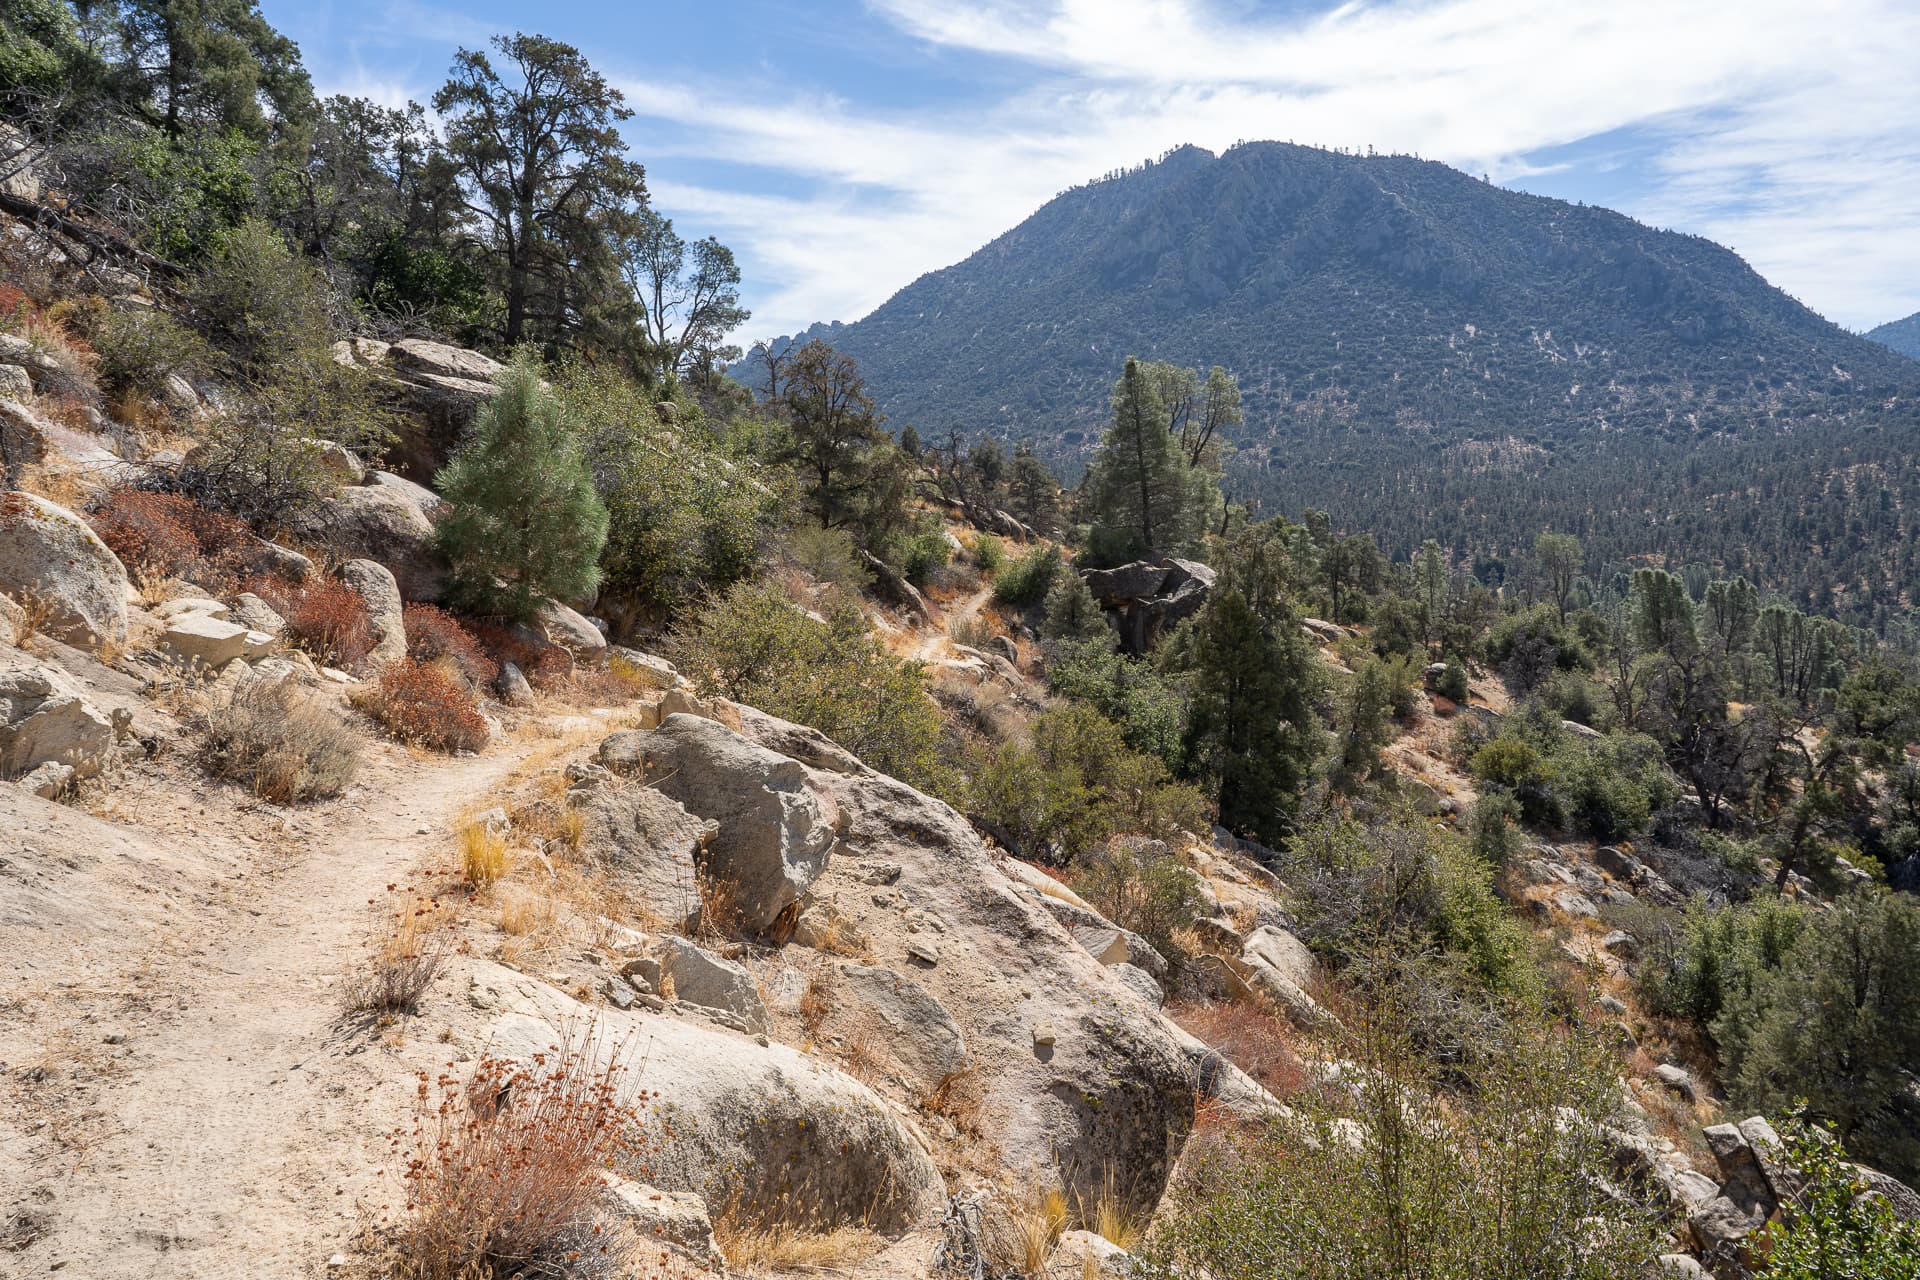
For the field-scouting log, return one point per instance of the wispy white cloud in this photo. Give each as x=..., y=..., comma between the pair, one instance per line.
x=1788, y=130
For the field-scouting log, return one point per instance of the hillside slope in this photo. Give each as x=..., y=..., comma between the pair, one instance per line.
x=1412, y=343
x=1901, y=335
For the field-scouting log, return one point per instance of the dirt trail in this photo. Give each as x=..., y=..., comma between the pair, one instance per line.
x=934, y=643
x=237, y=1139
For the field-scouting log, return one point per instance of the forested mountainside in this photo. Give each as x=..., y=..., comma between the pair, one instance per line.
x=1902, y=335
x=1423, y=354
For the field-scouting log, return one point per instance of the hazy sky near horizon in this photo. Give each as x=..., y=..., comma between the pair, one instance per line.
x=844, y=148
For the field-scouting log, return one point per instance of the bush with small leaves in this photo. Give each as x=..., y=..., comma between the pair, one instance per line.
x=423, y=705
x=1026, y=581
x=434, y=635
x=324, y=616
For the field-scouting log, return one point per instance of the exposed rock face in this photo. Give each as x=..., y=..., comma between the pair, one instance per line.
x=385, y=522
x=23, y=436
x=44, y=718
x=49, y=553
x=377, y=587
x=651, y=842
x=571, y=631
x=1280, y=965
x=766, y=1124
x=1077, y=1073
x=199, y=638
x=512, y=687
x=915, y=1028
x=1145, y=598
x=776, y=824
x=675, y=1219
x=443, y=387
x=255, y=614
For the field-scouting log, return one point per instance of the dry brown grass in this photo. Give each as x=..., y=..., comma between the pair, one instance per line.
x=1031, y=1230
x=405, y=962
x=1108, y=1213
x=959, y=1099
x=281, y=742
x=1256, y=1040
x=817, y=1003
x=753, y=1246
x=502, y=1170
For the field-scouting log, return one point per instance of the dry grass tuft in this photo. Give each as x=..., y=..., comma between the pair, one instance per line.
x=406, y=964
x=483, y=852
x=1031, y=1231
x=753, y=1246
x=502, y=1170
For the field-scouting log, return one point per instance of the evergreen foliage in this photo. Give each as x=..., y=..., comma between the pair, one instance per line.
x=523, y=521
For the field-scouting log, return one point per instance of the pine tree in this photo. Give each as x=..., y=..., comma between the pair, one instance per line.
x=525, y=521
x=1148, y=501
x=1252, y=730
x=1073, y=615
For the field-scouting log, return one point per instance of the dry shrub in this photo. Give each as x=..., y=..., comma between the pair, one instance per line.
x=1253, y=1039
x=325, y=617
x=434, y=634
x=502, y=1171
x=409, y=958
x=617, y=682
x=483, y=852
x=816, y=1003
x=281, y=742
x=544, y=665
x=958, y=1099
x=169, y=535
x=422, y=704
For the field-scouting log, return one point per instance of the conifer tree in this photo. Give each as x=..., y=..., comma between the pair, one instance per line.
x=525, y=521
x=1145, y=495
x=1073, y=615
x=1253, y=731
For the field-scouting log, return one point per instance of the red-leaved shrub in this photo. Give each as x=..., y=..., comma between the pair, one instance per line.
x=325, y=617
x=434, y=634
x=543, y=664
x=422, y=704
x=169, y=535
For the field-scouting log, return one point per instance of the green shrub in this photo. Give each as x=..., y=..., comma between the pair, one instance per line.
x=829, y=556
x=1831, y=1228
x=1075, y=787
x=989, y=553
x=1025, y=581
x=1142, y=885
x=1452, y=684
x=925, y=554
x=139, y=349
x=1694, y=964
x=753, y=645
x=684, y=514
x=1835, y=1024
x=1390, y=1178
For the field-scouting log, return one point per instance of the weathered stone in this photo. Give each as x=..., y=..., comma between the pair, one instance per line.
x=375, y=585
x=917, y=1031
x=49, y=780
x=382, y=522
x=764, y=1126
x=15, y=385
x=44, y=717
x=338, y=464
x=511, y=686
x=675, y=1219
x=255, y=614
x=776, y=829
x=49, y=555
x=571, y=631
x=649, y=843
x=701, y=978
x=202, y=639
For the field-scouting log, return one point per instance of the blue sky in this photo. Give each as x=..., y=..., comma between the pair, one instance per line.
x=844, y=148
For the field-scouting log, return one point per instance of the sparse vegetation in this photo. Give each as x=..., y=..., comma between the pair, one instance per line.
x=281, y=742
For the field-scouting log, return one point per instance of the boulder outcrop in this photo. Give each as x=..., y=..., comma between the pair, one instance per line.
x=49, y=555
x=46, y=719
x=763, y=1125
x=1145, y=598
x=388, y=521
x=775, y=823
